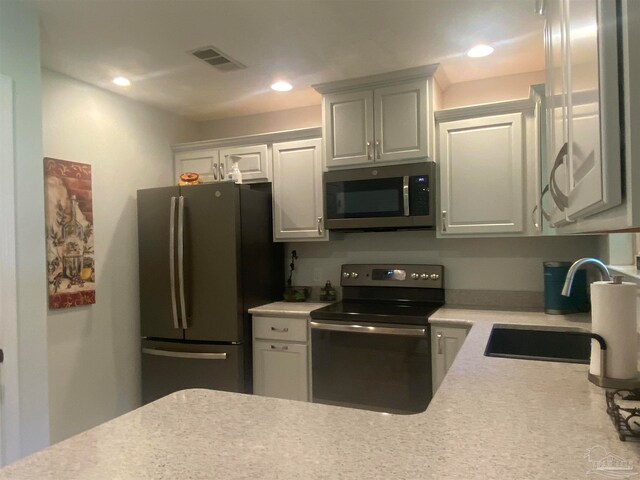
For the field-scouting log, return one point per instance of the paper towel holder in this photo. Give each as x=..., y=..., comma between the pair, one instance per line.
x=602, y=380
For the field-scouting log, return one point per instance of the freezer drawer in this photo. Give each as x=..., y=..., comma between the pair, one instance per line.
x=171, y=366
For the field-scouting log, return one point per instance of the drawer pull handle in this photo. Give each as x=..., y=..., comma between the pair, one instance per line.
x=283, y=347
x=439, y=337
x=279, y=330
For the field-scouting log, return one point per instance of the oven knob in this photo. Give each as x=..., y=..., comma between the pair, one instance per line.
x=354, y=275
x=424, y=276
x=346, y=275
x=435, y=276
x=415, y=276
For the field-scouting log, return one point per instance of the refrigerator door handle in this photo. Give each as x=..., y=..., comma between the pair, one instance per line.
x=183, y=308
x=191, y=355
x=172, y=262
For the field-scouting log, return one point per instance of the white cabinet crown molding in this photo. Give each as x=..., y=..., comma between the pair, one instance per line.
x=271, y=137
x=373, y=81
x=512, y=106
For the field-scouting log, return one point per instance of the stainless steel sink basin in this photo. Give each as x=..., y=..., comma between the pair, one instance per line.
x=539, y=343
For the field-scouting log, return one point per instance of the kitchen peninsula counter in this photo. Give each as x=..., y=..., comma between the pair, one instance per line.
x=492, y=418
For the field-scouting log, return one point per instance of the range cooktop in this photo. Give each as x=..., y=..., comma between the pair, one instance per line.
x=409, y=313
x=387, y=293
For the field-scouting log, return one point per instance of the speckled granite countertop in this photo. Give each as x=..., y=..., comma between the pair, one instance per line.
x=287, y=309
x=492, y=418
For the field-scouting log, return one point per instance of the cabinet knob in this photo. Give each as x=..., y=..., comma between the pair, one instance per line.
x=319, y=225
x=534, y=218
x=378, y=153
x=439, y=337
x=369, y=151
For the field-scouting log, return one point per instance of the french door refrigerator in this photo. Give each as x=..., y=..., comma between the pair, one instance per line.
x=206, y=256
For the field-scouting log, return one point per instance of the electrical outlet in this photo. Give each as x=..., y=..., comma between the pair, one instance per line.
x=317, y=275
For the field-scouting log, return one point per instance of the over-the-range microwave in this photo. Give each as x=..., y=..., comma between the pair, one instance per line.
x=380, y=198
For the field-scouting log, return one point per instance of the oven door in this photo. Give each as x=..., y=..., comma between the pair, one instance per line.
x=380, y=367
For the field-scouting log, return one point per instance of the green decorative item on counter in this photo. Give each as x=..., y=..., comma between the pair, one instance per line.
x=291, y=293
x=297, y=294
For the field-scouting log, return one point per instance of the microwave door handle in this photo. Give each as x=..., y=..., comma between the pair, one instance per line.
x=405, y=194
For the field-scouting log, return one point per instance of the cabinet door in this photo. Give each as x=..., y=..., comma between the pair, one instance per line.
x=203, y=162
x=157, y=291
x=481, y=175
x=254, y=163
x=280, y=370
x=557, y=109
x=593, y=160
x=445, y=344
x=348, y=128
x=297, y=191
x=400, y=124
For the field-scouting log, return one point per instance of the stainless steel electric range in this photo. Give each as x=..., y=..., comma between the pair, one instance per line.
x=372, y=350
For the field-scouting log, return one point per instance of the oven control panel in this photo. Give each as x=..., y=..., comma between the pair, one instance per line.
x=390, y=275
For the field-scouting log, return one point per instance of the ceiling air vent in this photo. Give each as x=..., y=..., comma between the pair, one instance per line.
x=217, y=59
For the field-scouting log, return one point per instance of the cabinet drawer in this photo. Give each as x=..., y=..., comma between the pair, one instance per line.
x=275, y=328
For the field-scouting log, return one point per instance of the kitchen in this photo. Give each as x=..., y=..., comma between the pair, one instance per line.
x=81, y=367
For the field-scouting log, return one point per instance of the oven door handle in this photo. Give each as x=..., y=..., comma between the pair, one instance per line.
x=404, y=331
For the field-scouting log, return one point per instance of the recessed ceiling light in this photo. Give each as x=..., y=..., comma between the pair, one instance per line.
x=480, y=51
x=122, y=81
x=281, y=86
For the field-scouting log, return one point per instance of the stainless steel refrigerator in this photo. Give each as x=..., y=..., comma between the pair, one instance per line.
x=206, y=256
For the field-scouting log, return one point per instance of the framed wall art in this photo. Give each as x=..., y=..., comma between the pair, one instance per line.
x=69, y=226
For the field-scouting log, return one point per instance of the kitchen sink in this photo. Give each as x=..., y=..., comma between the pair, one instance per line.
x=539, y=343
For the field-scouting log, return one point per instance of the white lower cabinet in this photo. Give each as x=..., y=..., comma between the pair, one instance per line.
x=445, y=344
x=280, y=370
x=281, y=358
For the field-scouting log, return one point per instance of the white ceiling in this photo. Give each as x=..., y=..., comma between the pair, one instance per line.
x=303, y=41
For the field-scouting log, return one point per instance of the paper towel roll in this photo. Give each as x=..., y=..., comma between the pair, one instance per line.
x=613, y=316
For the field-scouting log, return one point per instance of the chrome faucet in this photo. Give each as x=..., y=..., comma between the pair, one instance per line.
x=602, y=268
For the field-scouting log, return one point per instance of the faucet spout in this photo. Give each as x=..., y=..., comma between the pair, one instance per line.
x=602, y=268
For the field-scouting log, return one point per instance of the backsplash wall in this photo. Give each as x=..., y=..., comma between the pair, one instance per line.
x=510, y=264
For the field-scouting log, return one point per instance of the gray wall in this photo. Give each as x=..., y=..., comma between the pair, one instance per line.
x=20, y=60
x=94, y=351
x=513, y=264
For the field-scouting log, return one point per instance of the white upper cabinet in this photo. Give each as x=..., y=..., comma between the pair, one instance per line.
x=382, y=119
x=401, y=129
x=254, y=162
x=582, y=101
x=201, y=161
x=297, y=191
x=482, y=182
x=348, y=126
